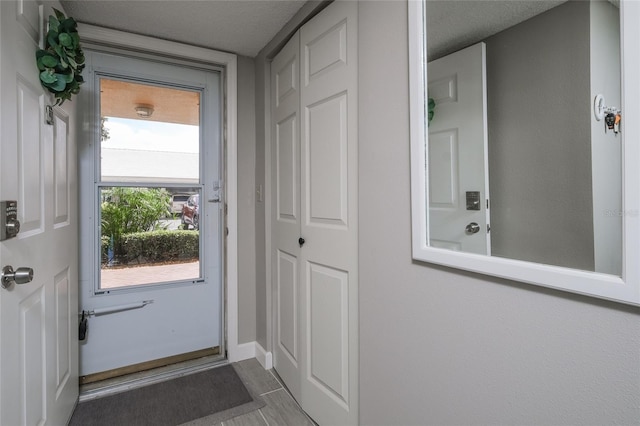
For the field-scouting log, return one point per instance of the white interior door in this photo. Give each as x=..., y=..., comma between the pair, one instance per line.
x=315, y=220
x=154, y=310
x=285, y=227
x=38, y=319
x=457, y=157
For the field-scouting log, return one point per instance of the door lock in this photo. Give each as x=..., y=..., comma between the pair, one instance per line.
x=472, y=228
x=9, y=223
x=22, y=275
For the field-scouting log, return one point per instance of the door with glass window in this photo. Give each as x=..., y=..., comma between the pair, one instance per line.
x=151, y=212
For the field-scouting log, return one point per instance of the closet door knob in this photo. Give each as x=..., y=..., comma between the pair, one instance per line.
x=301, y=241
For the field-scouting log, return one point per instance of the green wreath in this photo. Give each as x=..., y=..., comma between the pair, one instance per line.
x=431, y=108
x=62, y=61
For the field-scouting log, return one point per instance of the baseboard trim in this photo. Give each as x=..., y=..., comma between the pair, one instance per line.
x=264, y=358
x=243, y=351
x=253, y=350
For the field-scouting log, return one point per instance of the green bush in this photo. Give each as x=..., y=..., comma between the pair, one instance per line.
x=160, y=246
x=127, y=210
x=104, y=248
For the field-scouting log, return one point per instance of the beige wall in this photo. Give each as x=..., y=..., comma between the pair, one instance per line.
x=246, y=201
x=439, y=346
x=539, y=123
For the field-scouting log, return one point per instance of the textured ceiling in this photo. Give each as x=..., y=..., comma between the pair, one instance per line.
x=455, y=24
x=246, y=26
x=236, y=26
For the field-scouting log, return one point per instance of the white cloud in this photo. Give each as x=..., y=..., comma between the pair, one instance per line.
x=151, y=136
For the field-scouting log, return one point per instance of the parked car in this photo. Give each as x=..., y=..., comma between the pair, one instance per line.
x=177, y=201
x=191, y=212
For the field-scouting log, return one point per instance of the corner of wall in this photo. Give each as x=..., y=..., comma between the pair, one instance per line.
x=253, y=350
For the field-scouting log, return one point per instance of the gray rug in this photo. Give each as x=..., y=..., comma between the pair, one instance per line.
x=206, y=397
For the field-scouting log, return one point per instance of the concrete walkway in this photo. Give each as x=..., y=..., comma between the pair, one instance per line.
x=137, y=275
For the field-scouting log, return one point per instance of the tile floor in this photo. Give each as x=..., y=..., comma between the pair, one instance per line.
x=280, y=408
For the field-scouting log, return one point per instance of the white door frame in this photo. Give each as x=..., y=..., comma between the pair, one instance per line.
x=119, y=39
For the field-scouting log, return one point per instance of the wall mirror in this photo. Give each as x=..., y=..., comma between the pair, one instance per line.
x=522, y=161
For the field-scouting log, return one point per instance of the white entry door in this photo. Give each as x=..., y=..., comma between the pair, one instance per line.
x=457, y=157
x=151, y=283
x=315, y=253
x=38, y=321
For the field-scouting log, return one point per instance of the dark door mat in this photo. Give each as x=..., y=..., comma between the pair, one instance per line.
x=217, y=394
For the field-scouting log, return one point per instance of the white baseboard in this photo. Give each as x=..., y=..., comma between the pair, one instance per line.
x=252, y=350
x=243, y=351
x=264, y=357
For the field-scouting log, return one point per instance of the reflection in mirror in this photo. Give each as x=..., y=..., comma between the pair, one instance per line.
x=519, y=165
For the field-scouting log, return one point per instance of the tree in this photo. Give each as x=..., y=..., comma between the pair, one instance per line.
x=126, y=210
x=104, y=131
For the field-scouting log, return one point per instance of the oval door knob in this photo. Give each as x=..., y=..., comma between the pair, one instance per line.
x=472, y=228
x=22, y=275
x=301, y=241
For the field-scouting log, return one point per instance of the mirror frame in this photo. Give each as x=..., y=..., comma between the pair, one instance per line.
x=625, y=289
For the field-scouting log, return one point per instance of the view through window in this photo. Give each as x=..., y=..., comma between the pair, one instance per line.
x=149, y=187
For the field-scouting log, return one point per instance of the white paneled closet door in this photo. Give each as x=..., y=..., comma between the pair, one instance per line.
x=315, y=253
x=285, y=226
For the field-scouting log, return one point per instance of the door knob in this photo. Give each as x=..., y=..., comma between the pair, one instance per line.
x=301, y=241
x=19, y=276
x=472, y=228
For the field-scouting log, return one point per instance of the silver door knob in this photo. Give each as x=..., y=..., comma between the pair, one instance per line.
x=472, y=228
x=12, y=227
x=19, y=276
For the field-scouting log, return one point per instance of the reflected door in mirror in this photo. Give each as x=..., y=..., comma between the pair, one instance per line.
x=457, y=155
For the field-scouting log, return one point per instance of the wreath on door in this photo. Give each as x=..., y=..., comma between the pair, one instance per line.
x=61, y=61
x=431, y=110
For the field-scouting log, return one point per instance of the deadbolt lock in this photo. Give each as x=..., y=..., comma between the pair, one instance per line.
x=9, y=224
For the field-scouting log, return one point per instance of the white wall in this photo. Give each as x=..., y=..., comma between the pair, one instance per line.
x=439, y=346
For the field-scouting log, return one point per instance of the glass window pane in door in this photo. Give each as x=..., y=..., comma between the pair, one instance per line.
x=148, y=133
x=149, y=184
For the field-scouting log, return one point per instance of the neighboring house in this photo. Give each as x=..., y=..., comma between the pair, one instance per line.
x=150, y=165
x=436, y=345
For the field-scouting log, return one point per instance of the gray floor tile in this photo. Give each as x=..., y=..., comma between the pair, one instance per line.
x=282, y=410
x=250, y=419
x=204, y=421
x=255, y=377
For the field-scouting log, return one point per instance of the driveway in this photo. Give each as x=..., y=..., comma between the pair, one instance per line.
x=136, y=275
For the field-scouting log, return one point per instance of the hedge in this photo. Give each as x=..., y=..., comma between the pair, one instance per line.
x=156, y=246
x=104, y=246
